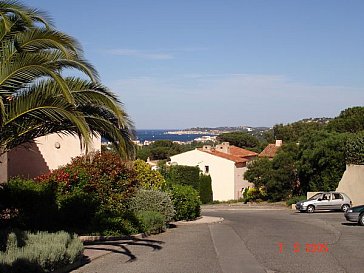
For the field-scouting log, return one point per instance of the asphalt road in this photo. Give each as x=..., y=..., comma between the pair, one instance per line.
x=248, y=240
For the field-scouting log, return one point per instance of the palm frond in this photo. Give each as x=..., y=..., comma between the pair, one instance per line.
x=37, y=111
x=26, y=14
x=17, y=75
x=35, y=40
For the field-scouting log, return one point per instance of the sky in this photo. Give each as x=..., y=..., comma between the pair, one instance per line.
x=207, y=63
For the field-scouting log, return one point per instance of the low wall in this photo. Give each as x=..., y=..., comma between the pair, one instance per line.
x=311, y=193
x=352, y=183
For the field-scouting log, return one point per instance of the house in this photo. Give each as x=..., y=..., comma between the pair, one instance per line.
x=153, y=164
x=43, y=155
x=226, y=164
x=271, y=150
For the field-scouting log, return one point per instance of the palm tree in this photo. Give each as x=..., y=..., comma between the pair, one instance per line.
x=35, y=99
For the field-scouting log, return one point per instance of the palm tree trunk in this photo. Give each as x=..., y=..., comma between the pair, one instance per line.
x=3, y=166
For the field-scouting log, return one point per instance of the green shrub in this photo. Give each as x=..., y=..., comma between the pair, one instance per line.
x=251, y=194
x=205, y=189
x=42, y=252
x=28, y=205
x=116, y=224
x=105, y=174
x=295, y=199
x=152, y=221
x=91, y=190
x=150, y=200
x=148, y=179
x=77, y=210
x=185, y=175
x=186, y=202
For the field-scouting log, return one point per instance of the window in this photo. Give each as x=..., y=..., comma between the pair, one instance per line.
x=207, y=169
x=337, y=196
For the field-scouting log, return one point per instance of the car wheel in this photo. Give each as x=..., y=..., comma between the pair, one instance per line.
x=310, y=209
x=361, y=219
x=345, y=207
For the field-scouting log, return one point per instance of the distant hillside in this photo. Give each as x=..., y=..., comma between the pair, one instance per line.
x=317, y=120
x=255, y=131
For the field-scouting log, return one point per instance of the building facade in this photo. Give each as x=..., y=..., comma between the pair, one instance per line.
x=43, y=155
x=226, y=164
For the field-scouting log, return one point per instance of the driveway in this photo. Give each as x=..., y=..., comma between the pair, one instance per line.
x=259, y=239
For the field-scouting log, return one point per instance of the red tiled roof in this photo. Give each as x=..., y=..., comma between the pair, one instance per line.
x=236, y=154
x=234, y=158
x=240, y=152
x=269, y=151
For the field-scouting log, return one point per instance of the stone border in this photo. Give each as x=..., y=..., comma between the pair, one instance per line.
x=89, y=239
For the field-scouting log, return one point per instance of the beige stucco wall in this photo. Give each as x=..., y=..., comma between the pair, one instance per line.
x=222, y=171
x=45, y=154
x=240, y=182
x=69, y=147
x=352, y=183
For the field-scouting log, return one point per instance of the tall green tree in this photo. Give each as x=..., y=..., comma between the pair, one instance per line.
x=350, y=120
x=294, y=131
x=239, y=139
x=278, y=176
x=355, y=149
x=321, y=160
x=36, y=99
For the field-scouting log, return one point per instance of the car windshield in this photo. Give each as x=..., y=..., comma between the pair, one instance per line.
x=316, y=196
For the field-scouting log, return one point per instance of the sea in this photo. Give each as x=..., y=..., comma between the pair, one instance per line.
x=159, y=134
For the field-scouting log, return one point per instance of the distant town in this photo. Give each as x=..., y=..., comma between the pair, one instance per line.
x=217, y=130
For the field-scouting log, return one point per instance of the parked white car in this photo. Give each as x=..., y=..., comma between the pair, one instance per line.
x=325, y=201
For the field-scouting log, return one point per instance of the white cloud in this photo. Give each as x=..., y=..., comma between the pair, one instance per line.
x=141, y=54
x=235, y=99
x=165, y=54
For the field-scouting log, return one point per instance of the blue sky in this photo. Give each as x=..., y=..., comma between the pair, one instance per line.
x=180, y=64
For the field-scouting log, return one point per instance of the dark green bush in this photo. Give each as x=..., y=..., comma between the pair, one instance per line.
x=77, y=210
x=185, y=175
x=355, y=149
x=125, y=223
x=151, y=200
x=186, y=202
x=295, y=199
x=152, y=221
x=42, y=252
x=26, y=204
x=205, y=189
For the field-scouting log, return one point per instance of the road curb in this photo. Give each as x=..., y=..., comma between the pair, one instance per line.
x=201, y=220
x=90, y=239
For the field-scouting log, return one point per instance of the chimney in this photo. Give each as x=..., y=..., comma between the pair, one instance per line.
x=278, y=143
x=206, y=148
x=223, y=148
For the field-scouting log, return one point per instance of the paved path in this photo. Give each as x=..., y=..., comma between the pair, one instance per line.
x=183, y=249
x=319, y=242
x=248, y=240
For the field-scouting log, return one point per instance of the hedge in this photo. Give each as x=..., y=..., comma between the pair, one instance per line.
x=206, y=195
x=185, y=175
x=355, y=149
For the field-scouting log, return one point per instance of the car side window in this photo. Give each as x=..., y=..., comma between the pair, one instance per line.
x=337, y=196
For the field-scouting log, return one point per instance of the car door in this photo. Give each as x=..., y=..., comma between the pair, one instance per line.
x=337, y=200
x=320, y=202
x=324, y=201
x=330, y=203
